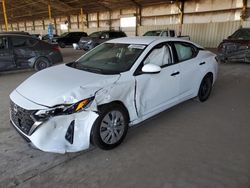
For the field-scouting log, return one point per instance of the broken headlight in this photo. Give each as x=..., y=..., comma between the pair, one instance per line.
x=64, y=109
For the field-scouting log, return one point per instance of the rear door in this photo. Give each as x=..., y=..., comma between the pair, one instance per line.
x=190, y=67
x=23, y=50
x=6, y=55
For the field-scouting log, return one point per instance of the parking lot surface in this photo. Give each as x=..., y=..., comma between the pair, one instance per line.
x=192, y=145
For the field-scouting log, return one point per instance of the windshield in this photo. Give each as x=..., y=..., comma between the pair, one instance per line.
x=110, y=58
x=64, y=34
x=242, y=34
x=95, y=34
x=152, y=33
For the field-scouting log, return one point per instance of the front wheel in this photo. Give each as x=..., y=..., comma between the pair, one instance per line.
x=111, y=127
x=205, y=88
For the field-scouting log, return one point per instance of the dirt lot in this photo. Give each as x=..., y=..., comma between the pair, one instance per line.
x=193, y=145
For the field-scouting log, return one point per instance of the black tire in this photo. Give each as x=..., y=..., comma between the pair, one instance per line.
x=98, y=137
x=205, y=88
x=41, y=63
x=62, y=44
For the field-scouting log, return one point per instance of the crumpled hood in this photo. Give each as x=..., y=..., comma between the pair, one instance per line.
x=62, y=84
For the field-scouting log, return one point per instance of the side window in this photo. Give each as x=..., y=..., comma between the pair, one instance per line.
x=19, y=42
x=172, y=33
x=23, y=42
x=184, y=51
x=112, y=35
x=3, y=43
x=160, y=56
x=32, y=42
x=164, y=34
x=105, y=36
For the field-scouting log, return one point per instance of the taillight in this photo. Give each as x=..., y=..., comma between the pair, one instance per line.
x=56, y=48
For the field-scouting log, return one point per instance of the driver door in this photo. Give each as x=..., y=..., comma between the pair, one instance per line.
x=158, y=91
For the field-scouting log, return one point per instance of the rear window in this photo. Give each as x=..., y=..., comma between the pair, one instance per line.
x=23, y=42
x=185, y=51
x=242, y=34
x=152, y=33
x=116, y=34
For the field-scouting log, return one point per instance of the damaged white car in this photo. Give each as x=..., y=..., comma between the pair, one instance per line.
x=118, y=84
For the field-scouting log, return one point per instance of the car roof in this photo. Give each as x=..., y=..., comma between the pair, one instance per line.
x=104, y=31
x=146, y=40
x=15, y=34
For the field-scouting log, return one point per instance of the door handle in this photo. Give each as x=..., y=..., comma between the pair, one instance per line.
x=202, y=63
x=175, y=73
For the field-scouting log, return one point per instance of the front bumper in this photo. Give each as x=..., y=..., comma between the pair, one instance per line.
x=50, y=135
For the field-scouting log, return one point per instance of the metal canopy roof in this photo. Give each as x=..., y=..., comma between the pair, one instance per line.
x=32, y=9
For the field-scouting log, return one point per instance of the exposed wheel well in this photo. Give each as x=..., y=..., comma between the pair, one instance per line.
x=210, y=75
x=117, y=103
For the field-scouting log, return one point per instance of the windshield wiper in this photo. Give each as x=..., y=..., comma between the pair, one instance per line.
x=91, y=69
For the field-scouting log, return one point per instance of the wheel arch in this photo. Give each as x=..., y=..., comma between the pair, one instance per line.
x=42, y=56
x=117, y=102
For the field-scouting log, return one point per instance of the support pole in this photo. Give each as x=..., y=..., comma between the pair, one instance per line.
x=180, y=4
x=138, y=20
x=49, y=10
x=55, y=25
x=98, y=22
x=5, y=15
x=25, y=26
x=110, y=21
x=243, y=12
x=87, y=19
x=82, y=19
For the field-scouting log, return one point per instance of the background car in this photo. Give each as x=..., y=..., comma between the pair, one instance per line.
x=165, y=33
x=46, y=37
x=15, y=32
x=35, y=35
x=96, y=38
x=69, y=38
x=22, y=51
x=119, y=83
x=235, y=47
x=161, y=33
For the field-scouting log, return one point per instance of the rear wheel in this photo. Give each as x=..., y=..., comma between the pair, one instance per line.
x=111, y=127
x=62, y=44
x=205, y=88
x=41, y=63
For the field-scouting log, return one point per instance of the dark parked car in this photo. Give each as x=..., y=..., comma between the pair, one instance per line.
x=35, y=35
x=46, y=37
x=69, y=38
x=22, y=51
x=236, y=47
x=96, y=38
x=15, y=32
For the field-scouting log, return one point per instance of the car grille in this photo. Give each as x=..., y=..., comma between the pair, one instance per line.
x=21, y=117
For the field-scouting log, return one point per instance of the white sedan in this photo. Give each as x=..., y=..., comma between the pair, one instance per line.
x=118, y=84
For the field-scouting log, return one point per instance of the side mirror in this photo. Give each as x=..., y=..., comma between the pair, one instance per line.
x=151, y=68
x=229, y=37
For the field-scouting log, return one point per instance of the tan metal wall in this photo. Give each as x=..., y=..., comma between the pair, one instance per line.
x=205, y=34
x=207, y=22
